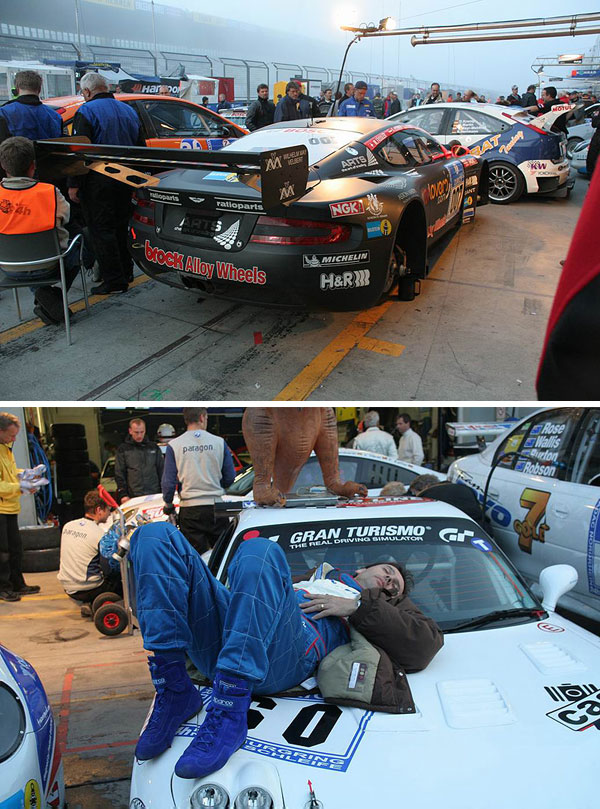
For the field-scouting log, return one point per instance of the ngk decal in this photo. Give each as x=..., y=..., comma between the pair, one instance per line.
x=355, y=206
x=346, y=280
x=454, y=535
x=223, y=270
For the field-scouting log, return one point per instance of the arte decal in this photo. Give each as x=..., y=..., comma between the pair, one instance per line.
x=350, y=279
x=340, y=258
x=351, y=208
x=221, y=270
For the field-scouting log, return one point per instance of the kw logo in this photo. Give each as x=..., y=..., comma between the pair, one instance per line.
x=273, y=163
x=287, y=191
x=228, y=237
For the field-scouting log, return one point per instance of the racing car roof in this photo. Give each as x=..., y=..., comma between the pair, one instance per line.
x=362, y=126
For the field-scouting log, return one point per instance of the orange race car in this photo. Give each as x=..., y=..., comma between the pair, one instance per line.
x=166, y=121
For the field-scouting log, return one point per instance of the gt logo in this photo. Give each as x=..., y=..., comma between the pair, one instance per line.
x=532, y=527
x=579, y=715
x=273, y=163
x=454, y=535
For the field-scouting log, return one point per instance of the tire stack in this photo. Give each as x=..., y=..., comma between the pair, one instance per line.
x=41, y=548
x=72, y=469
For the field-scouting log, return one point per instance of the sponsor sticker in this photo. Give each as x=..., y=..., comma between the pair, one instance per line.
x=537, y=165
x=222, y=177
x=490, y=143
x=374, y=206
x=481, y=544
x=567, y=692
x=381, y=136
x=313, y=260
x=33, y=796
x=351, y=151
x=545, y=627
x=190, y=143
x=228, y=237
x=581, y=714
x=379, y=228
x=454, y=535
x=506, y=147
x=351, y=208
x=167, y=197
x=350, y=279
x=236, y=205
x=353, y=163
x=221, y=270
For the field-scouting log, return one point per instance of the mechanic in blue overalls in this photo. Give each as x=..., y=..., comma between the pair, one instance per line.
x=258, y=636
x=357, y=106
x=25, y=116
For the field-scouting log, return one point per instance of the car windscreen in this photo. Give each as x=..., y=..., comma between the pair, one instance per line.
x=458, y=572
x=320, y=142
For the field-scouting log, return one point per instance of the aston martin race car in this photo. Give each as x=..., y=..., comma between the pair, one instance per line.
x=31, y=771
x=541, y=486
x=325, y=214
x=507, y=711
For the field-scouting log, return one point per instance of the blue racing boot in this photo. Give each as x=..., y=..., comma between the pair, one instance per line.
x=223, y=731
x=176, y=701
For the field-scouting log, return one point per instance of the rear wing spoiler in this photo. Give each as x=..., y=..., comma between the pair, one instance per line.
x=280, y=175
x=549, y=119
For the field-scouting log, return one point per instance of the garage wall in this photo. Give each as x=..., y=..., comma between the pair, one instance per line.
x=88, y=416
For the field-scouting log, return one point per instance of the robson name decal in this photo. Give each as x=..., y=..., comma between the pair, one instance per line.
x=222, y=270
x=346, y=280
x=340, y=258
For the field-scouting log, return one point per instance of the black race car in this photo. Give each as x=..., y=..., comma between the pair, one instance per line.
x=323, y=214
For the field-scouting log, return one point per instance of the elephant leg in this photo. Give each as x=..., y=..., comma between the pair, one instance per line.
x=260, y=433
x=326, y=450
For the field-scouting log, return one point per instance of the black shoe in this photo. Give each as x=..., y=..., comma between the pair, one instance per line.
x=44, y=316
x=8, y=595
x=86, y=611
x=106, y=289
x=27, y=589
x=51, y=302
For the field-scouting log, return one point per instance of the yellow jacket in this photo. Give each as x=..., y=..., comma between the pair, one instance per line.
x=10, y=489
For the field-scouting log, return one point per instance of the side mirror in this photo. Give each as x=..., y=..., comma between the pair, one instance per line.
x=555, y=581
x=459, y=151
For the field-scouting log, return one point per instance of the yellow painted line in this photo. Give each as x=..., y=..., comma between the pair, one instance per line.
x=381, y=346
x=29, y=326
x=20, y=616
x=60, y=596
x=135, y=694
x=323, y=364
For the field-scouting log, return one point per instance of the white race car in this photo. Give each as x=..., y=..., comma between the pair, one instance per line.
x=505, y=712
x=544, y=500
x=31, y=771
x=579, y=155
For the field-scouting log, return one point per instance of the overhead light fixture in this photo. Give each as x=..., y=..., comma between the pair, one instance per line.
x=387, y=24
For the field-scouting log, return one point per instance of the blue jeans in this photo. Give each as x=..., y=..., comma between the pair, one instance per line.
x=254, y=630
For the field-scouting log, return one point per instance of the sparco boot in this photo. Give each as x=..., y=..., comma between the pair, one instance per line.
x=223, y=731
x=176, y=701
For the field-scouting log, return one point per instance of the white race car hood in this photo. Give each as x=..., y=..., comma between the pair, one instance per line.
x=504, y=717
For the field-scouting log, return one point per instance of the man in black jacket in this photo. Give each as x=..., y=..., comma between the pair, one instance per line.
x=261, y=111
x=138, y=464
x=291, y=107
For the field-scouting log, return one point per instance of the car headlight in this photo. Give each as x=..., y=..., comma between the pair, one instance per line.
x=12, y=726
x=209, y=796
x=254, y=798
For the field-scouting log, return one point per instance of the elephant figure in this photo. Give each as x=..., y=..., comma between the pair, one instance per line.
x=280, y=440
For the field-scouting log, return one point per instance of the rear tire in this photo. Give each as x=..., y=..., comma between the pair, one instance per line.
x=105, y=598
x=111, y=619
x=571, y=144
x=506, y=183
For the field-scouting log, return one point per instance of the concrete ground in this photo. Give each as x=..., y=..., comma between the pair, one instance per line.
x=474, y=333
x=99, y=689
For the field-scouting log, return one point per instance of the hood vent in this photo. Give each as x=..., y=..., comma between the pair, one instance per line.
x=474, y=704
x=548, y=658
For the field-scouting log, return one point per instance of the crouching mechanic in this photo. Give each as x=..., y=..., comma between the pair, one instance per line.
x=260, y=636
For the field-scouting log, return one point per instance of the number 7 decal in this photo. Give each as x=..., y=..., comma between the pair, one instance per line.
x=532, y=527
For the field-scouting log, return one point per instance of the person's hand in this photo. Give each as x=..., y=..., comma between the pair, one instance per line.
x=327, y=606
x=168, y=509
x=74, y=195
x=125, y=499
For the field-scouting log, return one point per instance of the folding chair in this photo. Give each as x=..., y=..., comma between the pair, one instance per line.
x=28, y=253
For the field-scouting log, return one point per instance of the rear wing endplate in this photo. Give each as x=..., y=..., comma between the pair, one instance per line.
x=279, y=175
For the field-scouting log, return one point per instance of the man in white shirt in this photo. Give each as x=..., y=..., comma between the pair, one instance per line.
x=82, y=574
x=375, y=440
x=410, y=446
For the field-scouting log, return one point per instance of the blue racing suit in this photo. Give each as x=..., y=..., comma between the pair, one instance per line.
x=254, y=630
x=351, y=108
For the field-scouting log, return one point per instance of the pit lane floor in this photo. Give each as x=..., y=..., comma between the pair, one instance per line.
x=474, y=333
x=99, y=689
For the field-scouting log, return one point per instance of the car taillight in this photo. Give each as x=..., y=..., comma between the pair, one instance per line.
x=146, y=215
x=276, y=230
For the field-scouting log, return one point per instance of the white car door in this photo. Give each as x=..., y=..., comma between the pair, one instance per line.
x=429, y=117
x=471, y=127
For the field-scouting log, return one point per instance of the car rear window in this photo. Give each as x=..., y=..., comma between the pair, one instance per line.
x=320, y=142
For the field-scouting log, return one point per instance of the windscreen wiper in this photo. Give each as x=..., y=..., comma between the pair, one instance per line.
x=500, y=615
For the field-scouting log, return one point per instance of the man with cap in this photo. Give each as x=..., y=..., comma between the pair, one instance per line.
x=357, y=106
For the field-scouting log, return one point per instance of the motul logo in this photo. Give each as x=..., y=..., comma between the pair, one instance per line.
x=273, y=163
x=346, y=208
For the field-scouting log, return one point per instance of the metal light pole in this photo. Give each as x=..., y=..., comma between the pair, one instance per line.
x=78, y=29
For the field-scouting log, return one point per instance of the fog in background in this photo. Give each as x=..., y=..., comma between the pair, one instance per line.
x=308, y=33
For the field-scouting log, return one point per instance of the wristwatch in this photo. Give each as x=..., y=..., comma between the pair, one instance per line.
x=358, y=603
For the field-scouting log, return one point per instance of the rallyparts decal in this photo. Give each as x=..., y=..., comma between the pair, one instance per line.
x=319, y=735
x=222, y=270
x=593, y=552
x=581, y=714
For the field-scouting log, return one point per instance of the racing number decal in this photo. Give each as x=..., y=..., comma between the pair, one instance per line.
x=304, y=719
x=532, y=527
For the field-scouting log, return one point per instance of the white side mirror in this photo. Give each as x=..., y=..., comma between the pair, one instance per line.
x=555, y=581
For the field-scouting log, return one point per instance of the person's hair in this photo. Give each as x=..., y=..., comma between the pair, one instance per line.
x=136, y=420
x=192, y=415
x=92, y=501
x=395, y=488
x=291, y=85
x=422, y=482
x=551, y=91
x=531, y=88
x=371, y=419
x=328, y=90
x=262, y=87
x=406, y=574
x=28, y=80
x=405, y=417
x=94, y=82
x=16, y=156
x=8, y=420
x=436, y=83
x=347, y=87
x=361, y=85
